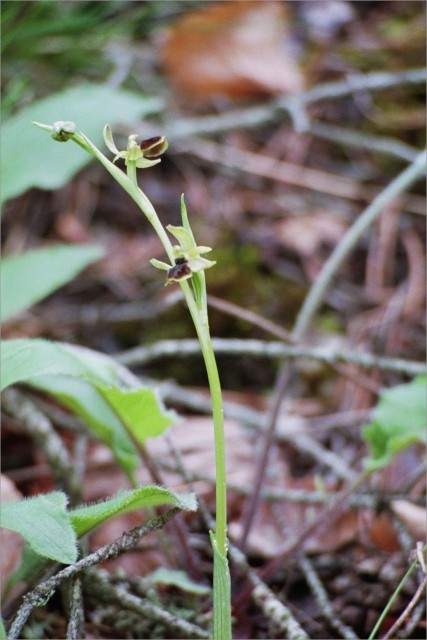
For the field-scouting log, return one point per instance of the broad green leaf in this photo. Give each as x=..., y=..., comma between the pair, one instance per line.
x=84, y=519
x=88, y=383
x=2, y=630
x=30, y=158
x=86, y=402
x=29, y=277
x=24, y=360
x=140, y=410
x=399, y=421
x=44, y=523
x=179, y=579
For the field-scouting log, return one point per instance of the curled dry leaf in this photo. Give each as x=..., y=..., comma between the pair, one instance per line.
x=231, y=50
x=12, y=544
x=413, y=517
x=276, y=526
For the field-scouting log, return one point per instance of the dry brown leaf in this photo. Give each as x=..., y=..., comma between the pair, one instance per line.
x=233, y=50
x=305, y=234
x=12, y=544
x=267, y=538
x=413, y=517
x=380, y=531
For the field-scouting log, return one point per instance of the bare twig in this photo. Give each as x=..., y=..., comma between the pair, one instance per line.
x=255, y=116
x=96, y=581
x=40, y=429
x=180, y=348
x=408, y=610
x=349, y=138
x=76, y=614
x=322, y=599
x=351, y=238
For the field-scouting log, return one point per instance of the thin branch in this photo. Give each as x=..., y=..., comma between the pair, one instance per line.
x=346, y=245
x=256, y=116
x=76, y=614
x=97, y=582
x=271, y=349
x=40, y=429
x=408, y=610
x=378, y=144
x=322, y=599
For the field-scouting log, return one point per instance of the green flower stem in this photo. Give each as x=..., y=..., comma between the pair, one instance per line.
x=203, y=333
x=196, y=299
x=200, y=320
x=198, y=311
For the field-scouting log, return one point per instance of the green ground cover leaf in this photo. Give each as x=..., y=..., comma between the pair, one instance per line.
x=399, y=421
x=88, y=383
x=140, y=410
x=179, y=579
x=44, y=523
x=28, y=157
x=28, y=278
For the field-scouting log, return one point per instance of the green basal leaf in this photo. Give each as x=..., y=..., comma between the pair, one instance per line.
x=399, y=421
x=28, y=278
x=44, y=523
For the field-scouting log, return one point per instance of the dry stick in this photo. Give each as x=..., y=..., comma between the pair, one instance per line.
x=414, y=620
x=40, y=429
x=39, y=596
x=249, y=316
x=322, y=599
x=408, y=610
x=76, y=614
x=96, y=581
x=288, y=172
x=263, y=348
x=343, y=136
x=316, y=294
x=255, y=116
x=310, y=307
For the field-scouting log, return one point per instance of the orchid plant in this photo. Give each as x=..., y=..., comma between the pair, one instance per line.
x=187, y=268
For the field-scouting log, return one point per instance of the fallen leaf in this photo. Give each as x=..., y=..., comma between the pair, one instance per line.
x=231, y=50
x=413, y=517
x=12, y=544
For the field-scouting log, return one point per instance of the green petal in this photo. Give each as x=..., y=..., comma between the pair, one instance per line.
x=198, y=264
x=184, y=238
x=143, y=163
x=160, y=265
x=108, y=139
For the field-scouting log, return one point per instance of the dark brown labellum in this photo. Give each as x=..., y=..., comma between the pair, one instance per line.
x=153, y=147
x=180, y=271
